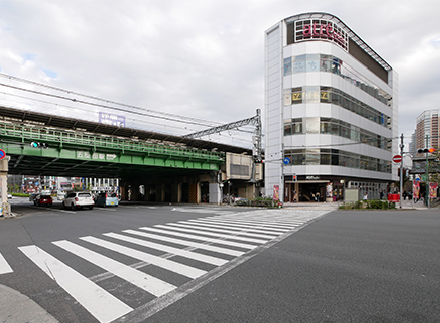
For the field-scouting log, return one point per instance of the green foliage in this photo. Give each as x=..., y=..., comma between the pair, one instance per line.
x=20, y=194
x=368, y=205
x=266, y=202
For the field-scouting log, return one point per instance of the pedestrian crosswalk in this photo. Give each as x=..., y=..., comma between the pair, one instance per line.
x=188, y=249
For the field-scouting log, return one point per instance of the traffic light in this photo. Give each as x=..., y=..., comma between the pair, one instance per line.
x=426, y=150
x=42, y=145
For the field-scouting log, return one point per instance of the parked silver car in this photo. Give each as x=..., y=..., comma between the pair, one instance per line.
x=77, y=200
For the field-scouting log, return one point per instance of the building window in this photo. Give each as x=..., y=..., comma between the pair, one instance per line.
x=312, y=125
x=297, y=95
x=299, y=64
x=287, y=66
x=336, y=157
x=335, y=127
x=312, y=63
x=332, y=64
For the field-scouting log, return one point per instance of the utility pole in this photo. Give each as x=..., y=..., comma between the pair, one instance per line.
x=401, y=169
x=427, y=174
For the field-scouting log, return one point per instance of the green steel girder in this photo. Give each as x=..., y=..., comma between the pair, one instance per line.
x=90, y=148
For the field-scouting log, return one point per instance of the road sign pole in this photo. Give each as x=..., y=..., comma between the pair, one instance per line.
x=427, y=174
x=401, y=169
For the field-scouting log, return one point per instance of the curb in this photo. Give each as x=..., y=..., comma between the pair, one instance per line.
x=16, y=307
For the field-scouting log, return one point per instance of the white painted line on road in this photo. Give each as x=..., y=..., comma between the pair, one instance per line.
x=106, y=209
x=267, y=220
x=175, y=251
x=142, y=313
x=64, y=211
x=216, y=228
x=176, y=267
x=148, y=283
x=187, y=243
x=253, y=228
x=258, y=223
x=201, y=238
x=228, y=236
x=101, y=304
x=4, y=266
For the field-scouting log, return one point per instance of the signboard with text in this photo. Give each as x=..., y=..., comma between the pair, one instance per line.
x=111, y=119
x=322, y=29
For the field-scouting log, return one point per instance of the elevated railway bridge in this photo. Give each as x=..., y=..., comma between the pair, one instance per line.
x=170, y=168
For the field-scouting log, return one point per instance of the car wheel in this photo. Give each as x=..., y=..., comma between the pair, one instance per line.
x=63, y=206
x=35, y=203
x=90, y=207
x=116, y=205
x=50, y=204
x=73, y=207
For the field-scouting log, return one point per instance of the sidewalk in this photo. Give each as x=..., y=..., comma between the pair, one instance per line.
x=410, y=205
x=16, y=307
x=311, y=205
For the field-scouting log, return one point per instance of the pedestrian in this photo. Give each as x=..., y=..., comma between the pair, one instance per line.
x=365, y=196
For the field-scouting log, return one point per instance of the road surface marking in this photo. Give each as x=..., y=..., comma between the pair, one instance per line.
x=228, y=236
x=201, y=238
x=187, y=243
x=175, y=251
x=101, y=304
x=230, y=231
x=148, y=283
x=4, y=266
x=254, y=223
x=246, y=227
x=176, y=267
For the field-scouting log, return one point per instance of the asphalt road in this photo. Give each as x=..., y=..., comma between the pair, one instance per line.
x=338, y=267
x=345, y=267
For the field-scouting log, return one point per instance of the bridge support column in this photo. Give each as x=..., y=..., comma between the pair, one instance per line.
x=199, y=192
x=179, y=193
x=175, y=192
x=6, y=207
x=215, y=193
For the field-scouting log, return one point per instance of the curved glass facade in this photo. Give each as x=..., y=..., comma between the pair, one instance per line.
x=331, y=114
x=310, y=63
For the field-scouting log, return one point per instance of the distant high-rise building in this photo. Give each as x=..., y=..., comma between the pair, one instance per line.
x=427, y=130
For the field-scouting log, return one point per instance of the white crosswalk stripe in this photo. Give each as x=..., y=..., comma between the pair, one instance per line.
x=146, y=282
x=205, y=243
x=201, y=238
x=231, y=226
x=157, y=261
x=100, y=303
x=206, y=233
x=210, y=229
x=187, y=243
x=176, y=251
x=4, y=266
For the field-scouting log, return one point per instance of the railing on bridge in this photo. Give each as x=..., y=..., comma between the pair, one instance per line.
x=60, y=138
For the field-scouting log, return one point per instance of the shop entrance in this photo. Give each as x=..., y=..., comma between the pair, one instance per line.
x=312, y=191
x=290, y=192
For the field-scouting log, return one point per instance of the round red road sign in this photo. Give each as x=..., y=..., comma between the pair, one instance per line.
x=397, y=158
x=2, y=154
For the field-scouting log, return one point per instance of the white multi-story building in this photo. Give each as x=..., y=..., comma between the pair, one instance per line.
x=331, y=111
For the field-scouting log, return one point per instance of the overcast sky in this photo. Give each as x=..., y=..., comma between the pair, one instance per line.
x=198, y=59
